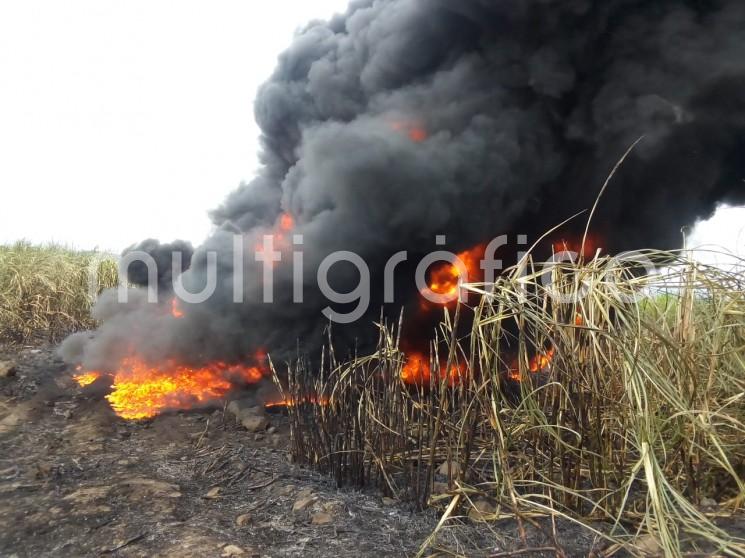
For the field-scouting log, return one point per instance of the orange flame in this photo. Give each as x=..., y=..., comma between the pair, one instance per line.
x=538, y=363
x=417, y=135
x=416, y=371
x=284, y=225
x=141, y=391
x=286, y=222
x=444, y=278
x=542, y=360
x=592, y=243
x=176, y=312
x=86, y=378
x=416, y=132
x=289, y=402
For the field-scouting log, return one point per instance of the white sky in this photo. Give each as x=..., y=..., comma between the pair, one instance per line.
x=121, y=120
x=126, y=120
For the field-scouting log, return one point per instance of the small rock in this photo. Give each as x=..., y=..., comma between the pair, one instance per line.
x=454, y=469
x=321, y=518
x=302, y=503
x=232, y=550
x=235, y=406
x=254, y=423
x=305, y=492
x=388, y=501
x=271, y=430
x=7, y=368
x=275, y=440
x=213, y=493
x=243, y=519
x=709, y=502
x=142, y=488
x=286, y=490
x=481, y=508
x=88, y=494
x=244, y=408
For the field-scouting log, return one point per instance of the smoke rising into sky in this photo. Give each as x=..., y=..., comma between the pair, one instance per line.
x=127, y=121
x=402, y=120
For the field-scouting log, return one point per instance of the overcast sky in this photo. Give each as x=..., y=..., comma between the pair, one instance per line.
x=126, y=120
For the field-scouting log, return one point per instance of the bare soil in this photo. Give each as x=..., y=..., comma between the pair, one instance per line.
x=75, y=480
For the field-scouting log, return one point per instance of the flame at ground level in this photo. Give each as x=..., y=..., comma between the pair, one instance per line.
x=86, y=378
x=290, y=402
x=416, y=371
x=538, y=363
x=141, y=390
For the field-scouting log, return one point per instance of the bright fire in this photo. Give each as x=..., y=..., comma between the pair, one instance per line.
x=416, y=371
x=444, y=277
x=289, y=402
x=285, y=224
x=86, y=378
x=141, y=391
x=538, y=363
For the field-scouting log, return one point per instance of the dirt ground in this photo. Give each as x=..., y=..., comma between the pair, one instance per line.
x=75, y=480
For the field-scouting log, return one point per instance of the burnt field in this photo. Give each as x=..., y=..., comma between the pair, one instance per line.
x=78, y=481
x=454, y=311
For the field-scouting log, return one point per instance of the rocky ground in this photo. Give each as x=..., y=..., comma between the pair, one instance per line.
x=75, y=480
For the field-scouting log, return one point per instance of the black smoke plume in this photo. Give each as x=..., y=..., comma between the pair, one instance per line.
x=162, y=255
x=404, y=119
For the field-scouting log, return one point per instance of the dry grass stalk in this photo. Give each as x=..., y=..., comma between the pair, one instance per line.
x=44, y=290
x=639, y=415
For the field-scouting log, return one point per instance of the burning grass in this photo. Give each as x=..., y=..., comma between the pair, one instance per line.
x=44, y=290
x=142, y=391
x=605, y=409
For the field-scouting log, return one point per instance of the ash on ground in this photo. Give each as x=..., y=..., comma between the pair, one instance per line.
x=78, y=481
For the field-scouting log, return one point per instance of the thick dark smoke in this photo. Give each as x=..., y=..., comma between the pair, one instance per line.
x=162, y=255
x=404, y=119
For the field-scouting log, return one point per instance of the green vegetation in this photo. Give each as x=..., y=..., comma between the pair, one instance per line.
x=638, y=420
x=46, y=290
